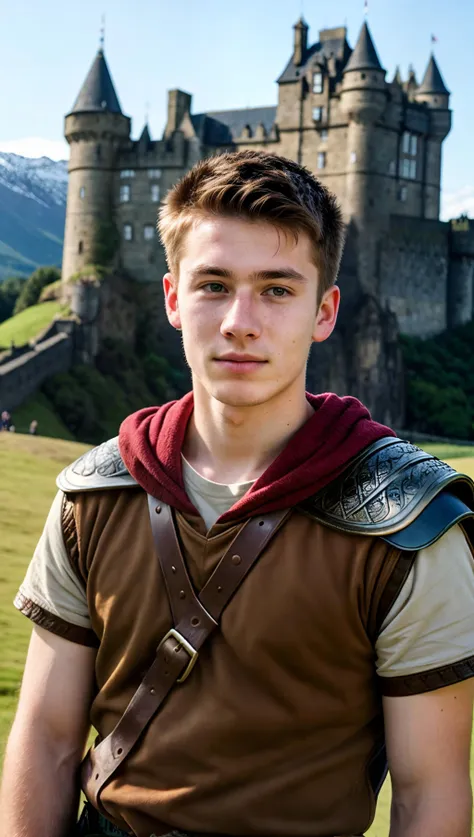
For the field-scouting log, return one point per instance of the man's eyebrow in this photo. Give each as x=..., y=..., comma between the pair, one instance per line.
x=260, y=275
x=211, y=270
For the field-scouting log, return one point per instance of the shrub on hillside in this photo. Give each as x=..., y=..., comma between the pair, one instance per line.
x=33, y=286
x=440, y=383
x=10, y=290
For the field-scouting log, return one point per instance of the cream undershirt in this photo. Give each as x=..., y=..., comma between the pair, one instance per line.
x=212, y=499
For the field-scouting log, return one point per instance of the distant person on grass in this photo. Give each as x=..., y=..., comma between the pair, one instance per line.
x=33, y=428
x=257, y=596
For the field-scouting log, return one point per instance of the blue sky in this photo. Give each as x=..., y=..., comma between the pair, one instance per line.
x=227, y=54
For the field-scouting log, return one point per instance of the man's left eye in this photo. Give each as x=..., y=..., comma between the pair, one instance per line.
x=277, y=291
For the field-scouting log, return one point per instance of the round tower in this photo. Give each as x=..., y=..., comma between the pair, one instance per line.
x=94, y=129
x=363, y=100
x=434, y=94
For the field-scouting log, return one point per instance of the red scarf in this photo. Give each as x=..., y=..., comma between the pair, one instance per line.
x=151, y=441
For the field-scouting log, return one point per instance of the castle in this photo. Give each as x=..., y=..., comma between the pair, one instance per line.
x=376, y=143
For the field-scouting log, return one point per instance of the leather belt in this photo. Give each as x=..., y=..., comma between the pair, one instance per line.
x=195, y=617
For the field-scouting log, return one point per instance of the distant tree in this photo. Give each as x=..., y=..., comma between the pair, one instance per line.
x=31, y=291
x=10, y=290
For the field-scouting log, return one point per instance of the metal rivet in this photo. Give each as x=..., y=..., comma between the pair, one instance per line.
x=182, y=594
x=219, y=589
x=173, y=569
x=195, y=621
x=158, y=509
x=152, y=691
x=236, y=560
x=261, y=522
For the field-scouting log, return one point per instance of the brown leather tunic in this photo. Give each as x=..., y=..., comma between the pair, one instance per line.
x=275, y=731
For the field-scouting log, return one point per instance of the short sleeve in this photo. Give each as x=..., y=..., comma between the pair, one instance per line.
x=427, y=639
x=52, y=595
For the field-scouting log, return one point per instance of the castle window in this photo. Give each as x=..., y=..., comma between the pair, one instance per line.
x=405, y=168
x=323, y=135
x=128, y=232
x=412, y=169
x=322, y=160
x=125, y=194
x=353, y=157
x=318, y=83
x=127, y=173
x=403, y=194
x=82, y=193
x=406, y=142
x=318, y=114
x=154, y=174
x=155, y=193
x=413, y=145
x=148, y=232
x=80, y=248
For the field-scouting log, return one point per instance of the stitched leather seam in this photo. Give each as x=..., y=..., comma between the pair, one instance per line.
x=427, y=681
x=44, y=619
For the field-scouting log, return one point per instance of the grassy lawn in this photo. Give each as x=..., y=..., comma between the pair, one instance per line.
x=28, y=466
x=40, y=408
x=27, y=325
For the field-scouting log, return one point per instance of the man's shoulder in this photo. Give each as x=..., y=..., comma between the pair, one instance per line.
x=396, y=491
x=101, y=468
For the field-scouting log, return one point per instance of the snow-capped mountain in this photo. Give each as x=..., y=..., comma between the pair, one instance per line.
x=32, y=212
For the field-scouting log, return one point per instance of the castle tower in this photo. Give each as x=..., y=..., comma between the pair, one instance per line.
x=363, y=100
x=300, y=47
x=94, y=129
x=434, y=94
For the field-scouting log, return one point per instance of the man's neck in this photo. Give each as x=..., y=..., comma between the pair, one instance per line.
x=233, y=444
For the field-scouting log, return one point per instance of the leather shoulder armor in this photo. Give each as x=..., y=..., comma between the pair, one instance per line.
x=98, y=469
x=396, y=491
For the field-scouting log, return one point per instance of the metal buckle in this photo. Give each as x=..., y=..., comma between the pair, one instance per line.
x=187, y=647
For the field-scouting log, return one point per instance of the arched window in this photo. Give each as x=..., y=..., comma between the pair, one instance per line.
x=82, y=192
x=80, y=248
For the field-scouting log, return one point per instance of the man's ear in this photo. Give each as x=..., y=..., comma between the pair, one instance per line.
x=170, y=288
x=326, y=316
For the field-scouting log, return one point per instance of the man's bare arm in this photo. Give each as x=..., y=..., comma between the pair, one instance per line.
x=39, y=793
x=428, y=746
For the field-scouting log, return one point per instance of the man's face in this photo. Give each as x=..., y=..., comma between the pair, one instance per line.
x=246, y=302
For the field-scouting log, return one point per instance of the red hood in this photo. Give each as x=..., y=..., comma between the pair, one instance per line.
x=151, y=441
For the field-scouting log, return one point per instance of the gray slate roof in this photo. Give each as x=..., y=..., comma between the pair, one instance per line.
x=365, y=55
x=433, y=80
x=225, y=126
x=98, y=92
x=337, y=47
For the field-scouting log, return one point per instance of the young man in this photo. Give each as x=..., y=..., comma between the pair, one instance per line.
x=254, y=594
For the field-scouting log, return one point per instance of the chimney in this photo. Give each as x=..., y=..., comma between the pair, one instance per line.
x=179, y=104
x=300, y=42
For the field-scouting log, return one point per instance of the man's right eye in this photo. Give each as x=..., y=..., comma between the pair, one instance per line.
x=215, y=287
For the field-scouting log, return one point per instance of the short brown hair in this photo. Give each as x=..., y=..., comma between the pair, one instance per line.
x=258, y=187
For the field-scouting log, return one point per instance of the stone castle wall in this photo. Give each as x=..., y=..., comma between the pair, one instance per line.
x=413, y=273
x=20, y=378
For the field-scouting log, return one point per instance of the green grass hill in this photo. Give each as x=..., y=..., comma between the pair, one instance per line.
x=29, y=466
x=28, y=324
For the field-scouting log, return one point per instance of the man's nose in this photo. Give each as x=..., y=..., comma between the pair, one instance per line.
x=241, y=318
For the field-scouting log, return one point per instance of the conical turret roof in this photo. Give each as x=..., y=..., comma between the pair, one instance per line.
x=364, y=56
x=145, y=135
x=397, y=78
x=98, y=92
x=433, y=80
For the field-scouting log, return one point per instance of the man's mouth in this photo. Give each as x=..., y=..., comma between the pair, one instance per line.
x=241, y=363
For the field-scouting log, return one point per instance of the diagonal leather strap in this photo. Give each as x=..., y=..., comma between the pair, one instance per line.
x=196, y=617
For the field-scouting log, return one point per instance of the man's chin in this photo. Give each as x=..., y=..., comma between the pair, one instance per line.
x=240, y=396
